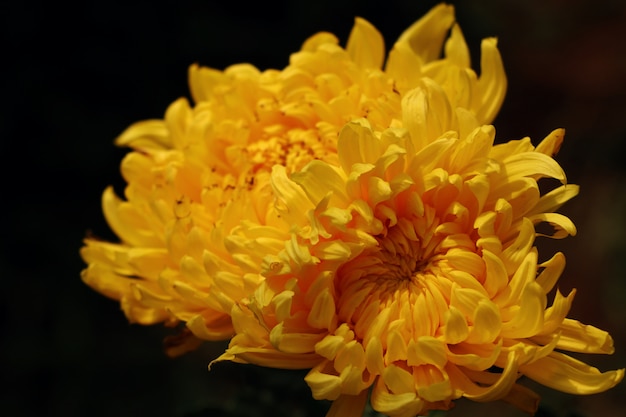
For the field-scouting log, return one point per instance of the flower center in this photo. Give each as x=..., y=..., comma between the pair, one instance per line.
x=395, y=275
x=294, y=148
x=400, y=258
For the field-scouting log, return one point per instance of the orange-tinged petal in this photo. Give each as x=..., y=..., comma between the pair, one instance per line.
x=289, y=342
x=374, y=356
x=427, y=350
x=218, y=328
x=432, y=383
x=322, y=314
x=398, y=380
x=348, y=405
x=401, y=405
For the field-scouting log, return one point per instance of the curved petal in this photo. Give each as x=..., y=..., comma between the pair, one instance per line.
x=569, y=375
x=365, y=45
x=492, y=82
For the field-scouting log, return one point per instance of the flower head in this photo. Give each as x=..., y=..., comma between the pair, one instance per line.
x=356, y=221
x=194, y=176
x=410, y=270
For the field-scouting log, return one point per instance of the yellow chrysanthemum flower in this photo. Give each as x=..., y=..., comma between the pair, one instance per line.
x=355, y=221
x=194, y=176
x=410, y=269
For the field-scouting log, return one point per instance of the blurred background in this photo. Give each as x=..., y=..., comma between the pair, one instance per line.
x=76, y=74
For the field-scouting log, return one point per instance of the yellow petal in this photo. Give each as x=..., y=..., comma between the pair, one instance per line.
x=528, y=321
x=148, y=134
x=554, y=199
x=578, y=337
x=323, y=386
x=492, y=82
x=374, y=356
x=425, y=37
x=555, y=314
x=496, y=277
x=220, y=328
x=456, y=329
x=552, y=143
x=486, y=386
x=486, y=323
x=426, y=113
x=398, y=380
x=404, y=405
x=318, y=180
x=519, y=250
x=396, y=347
x=529, y=164
x=477, y=357
x=432, y=383
x=202, y=80
x=552, y=270
x=569, y=375
x=456, y=48
x=322, y=314
x=315, y=41
x=352, y=355
x=291, y=200
x=427, y=350
x=348, y=405
x=106, y=282
x=365, y=45
x=357, y=144
x=563, y=226
x=130, y=225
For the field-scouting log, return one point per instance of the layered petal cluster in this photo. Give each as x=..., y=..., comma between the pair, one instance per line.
x=189, y=174
x=357, y=220
x=410, y=269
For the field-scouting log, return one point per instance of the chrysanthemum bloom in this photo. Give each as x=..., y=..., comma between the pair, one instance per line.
x=194, y=176
x=410, y=269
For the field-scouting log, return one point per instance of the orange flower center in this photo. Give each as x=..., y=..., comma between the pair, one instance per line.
x=396, y=275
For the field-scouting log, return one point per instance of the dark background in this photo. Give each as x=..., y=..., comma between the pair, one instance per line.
x=75, y=75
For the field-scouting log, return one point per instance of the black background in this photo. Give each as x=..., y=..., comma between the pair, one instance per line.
x=75, y=75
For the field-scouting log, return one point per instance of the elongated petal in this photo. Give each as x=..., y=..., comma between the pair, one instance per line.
x=149, y=134
x=348, y=406
x=492, y=81
x=569, y=375
x=365, y=45
x=426, y=36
